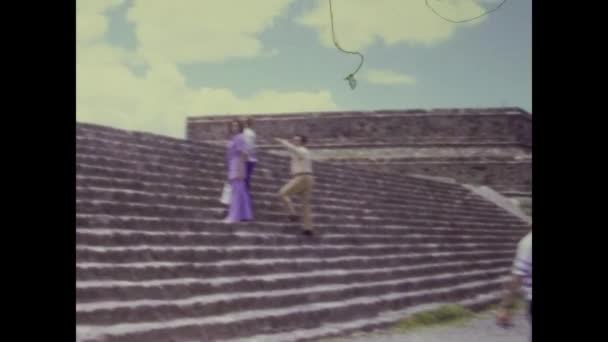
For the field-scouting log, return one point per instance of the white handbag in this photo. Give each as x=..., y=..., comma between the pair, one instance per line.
x=226, y=194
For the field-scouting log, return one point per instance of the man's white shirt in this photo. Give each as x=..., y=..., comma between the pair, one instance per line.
x=249, y=136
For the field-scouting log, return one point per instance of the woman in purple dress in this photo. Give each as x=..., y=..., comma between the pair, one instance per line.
x=236, y=157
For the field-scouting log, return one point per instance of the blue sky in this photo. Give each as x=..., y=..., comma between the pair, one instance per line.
x=148, y=64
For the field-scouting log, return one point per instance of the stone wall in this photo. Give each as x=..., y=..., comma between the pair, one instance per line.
x=456, y=126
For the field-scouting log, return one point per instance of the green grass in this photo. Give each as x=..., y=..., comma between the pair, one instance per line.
x=444, y=314
x=451, y=314
x=447, y=315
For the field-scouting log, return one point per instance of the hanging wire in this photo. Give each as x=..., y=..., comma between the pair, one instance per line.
x=352, y=82
x=465, y=20
x=351, y=77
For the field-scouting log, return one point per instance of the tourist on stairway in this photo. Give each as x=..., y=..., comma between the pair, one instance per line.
x=236, y=156
x=301, y=181
x=521, y=279
x=249, y=135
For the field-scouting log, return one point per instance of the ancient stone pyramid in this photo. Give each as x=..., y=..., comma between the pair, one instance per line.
x=154, y=263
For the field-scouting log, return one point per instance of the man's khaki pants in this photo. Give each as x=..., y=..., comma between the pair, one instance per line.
x=302, y=185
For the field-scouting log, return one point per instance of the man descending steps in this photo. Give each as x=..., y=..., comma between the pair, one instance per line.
x=301, y=181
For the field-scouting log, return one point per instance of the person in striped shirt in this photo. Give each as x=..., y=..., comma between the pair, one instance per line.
x=521, y=280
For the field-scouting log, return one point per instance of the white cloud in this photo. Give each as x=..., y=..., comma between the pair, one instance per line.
x=359, y=23
x=223, y=101
x=388, y=77
x=109, y=93
x=190, y=31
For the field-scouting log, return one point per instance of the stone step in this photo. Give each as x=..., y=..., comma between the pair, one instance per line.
x=261, y=215
x=94, y=277
x=214, y=182
x=383, y=321
x=273, y=208
x=248, y=323
x=214, y=175
x=188, y=187
x=132, y=311
x=166, y=270
x=329, y=234
x=202, y=225
x=125, y=254
x=142, y=154
x=323, y=204
x=173, y=147
x=143, y=141
x=264, y=214
x=93, y=237
x=186, y=284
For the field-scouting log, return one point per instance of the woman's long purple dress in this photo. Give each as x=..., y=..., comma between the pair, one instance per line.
x=240, y=203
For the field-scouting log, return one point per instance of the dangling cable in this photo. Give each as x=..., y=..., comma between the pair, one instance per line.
x=465, y=20
x=351, y=77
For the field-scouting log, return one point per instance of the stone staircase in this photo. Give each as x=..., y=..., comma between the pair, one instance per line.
x=154, y=263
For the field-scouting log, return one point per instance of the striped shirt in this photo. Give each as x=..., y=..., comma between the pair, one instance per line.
x=523, y=264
